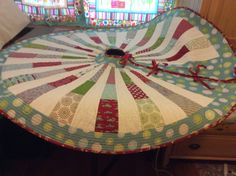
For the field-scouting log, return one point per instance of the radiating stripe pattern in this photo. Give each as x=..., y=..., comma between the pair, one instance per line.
x=69, y=62
x=65, y=109
x=150, y=115
x=188, y=106
x=107, y=117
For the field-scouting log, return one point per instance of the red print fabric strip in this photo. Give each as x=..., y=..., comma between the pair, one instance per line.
x=178, y=55
x=123, y=45
x=45, y=64
x=96, y=40
x=64, y=81
x=22, y=55
x=107, y=119
x=182, y=28
x=136, y=92
x=76, y=67
x=111, y=78
x=85, y=49
x=143, y=78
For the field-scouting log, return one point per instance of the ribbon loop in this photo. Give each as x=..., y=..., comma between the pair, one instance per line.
x=125, y=59
x=155, y=68
x=197, y=78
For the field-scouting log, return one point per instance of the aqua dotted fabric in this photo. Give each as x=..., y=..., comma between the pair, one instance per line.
x=121, y=90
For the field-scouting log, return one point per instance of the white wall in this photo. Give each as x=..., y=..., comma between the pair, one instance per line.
x=192, y=4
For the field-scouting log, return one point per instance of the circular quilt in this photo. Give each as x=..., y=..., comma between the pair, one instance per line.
x=121, y=90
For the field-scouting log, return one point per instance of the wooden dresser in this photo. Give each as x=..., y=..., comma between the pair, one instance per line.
x=218, y=143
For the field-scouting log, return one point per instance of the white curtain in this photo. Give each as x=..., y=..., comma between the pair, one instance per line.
x=192, y=4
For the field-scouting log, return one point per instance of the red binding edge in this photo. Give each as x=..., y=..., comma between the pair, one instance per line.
x=52, y=141
x=233, y=109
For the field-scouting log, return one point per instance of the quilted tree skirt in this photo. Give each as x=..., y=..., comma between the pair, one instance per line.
x=121, y=90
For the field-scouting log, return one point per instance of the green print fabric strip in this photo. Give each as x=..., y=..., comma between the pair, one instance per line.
x=120, y=90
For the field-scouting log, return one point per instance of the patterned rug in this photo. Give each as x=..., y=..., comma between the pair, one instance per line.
x=120, y=90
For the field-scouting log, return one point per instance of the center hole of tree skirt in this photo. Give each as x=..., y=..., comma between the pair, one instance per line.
x=115, y=52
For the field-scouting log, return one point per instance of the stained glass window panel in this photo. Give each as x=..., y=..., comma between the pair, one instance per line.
x=127, y=6
x=101, y=13
x=124, y=12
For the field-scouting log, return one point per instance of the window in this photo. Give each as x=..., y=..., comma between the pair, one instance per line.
x=50, y=10
x=94, y=12
x=123, y=12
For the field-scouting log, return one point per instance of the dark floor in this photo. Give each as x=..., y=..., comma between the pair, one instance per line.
x=22, y=154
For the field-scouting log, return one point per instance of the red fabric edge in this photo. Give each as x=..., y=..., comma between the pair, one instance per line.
x=233, y=109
